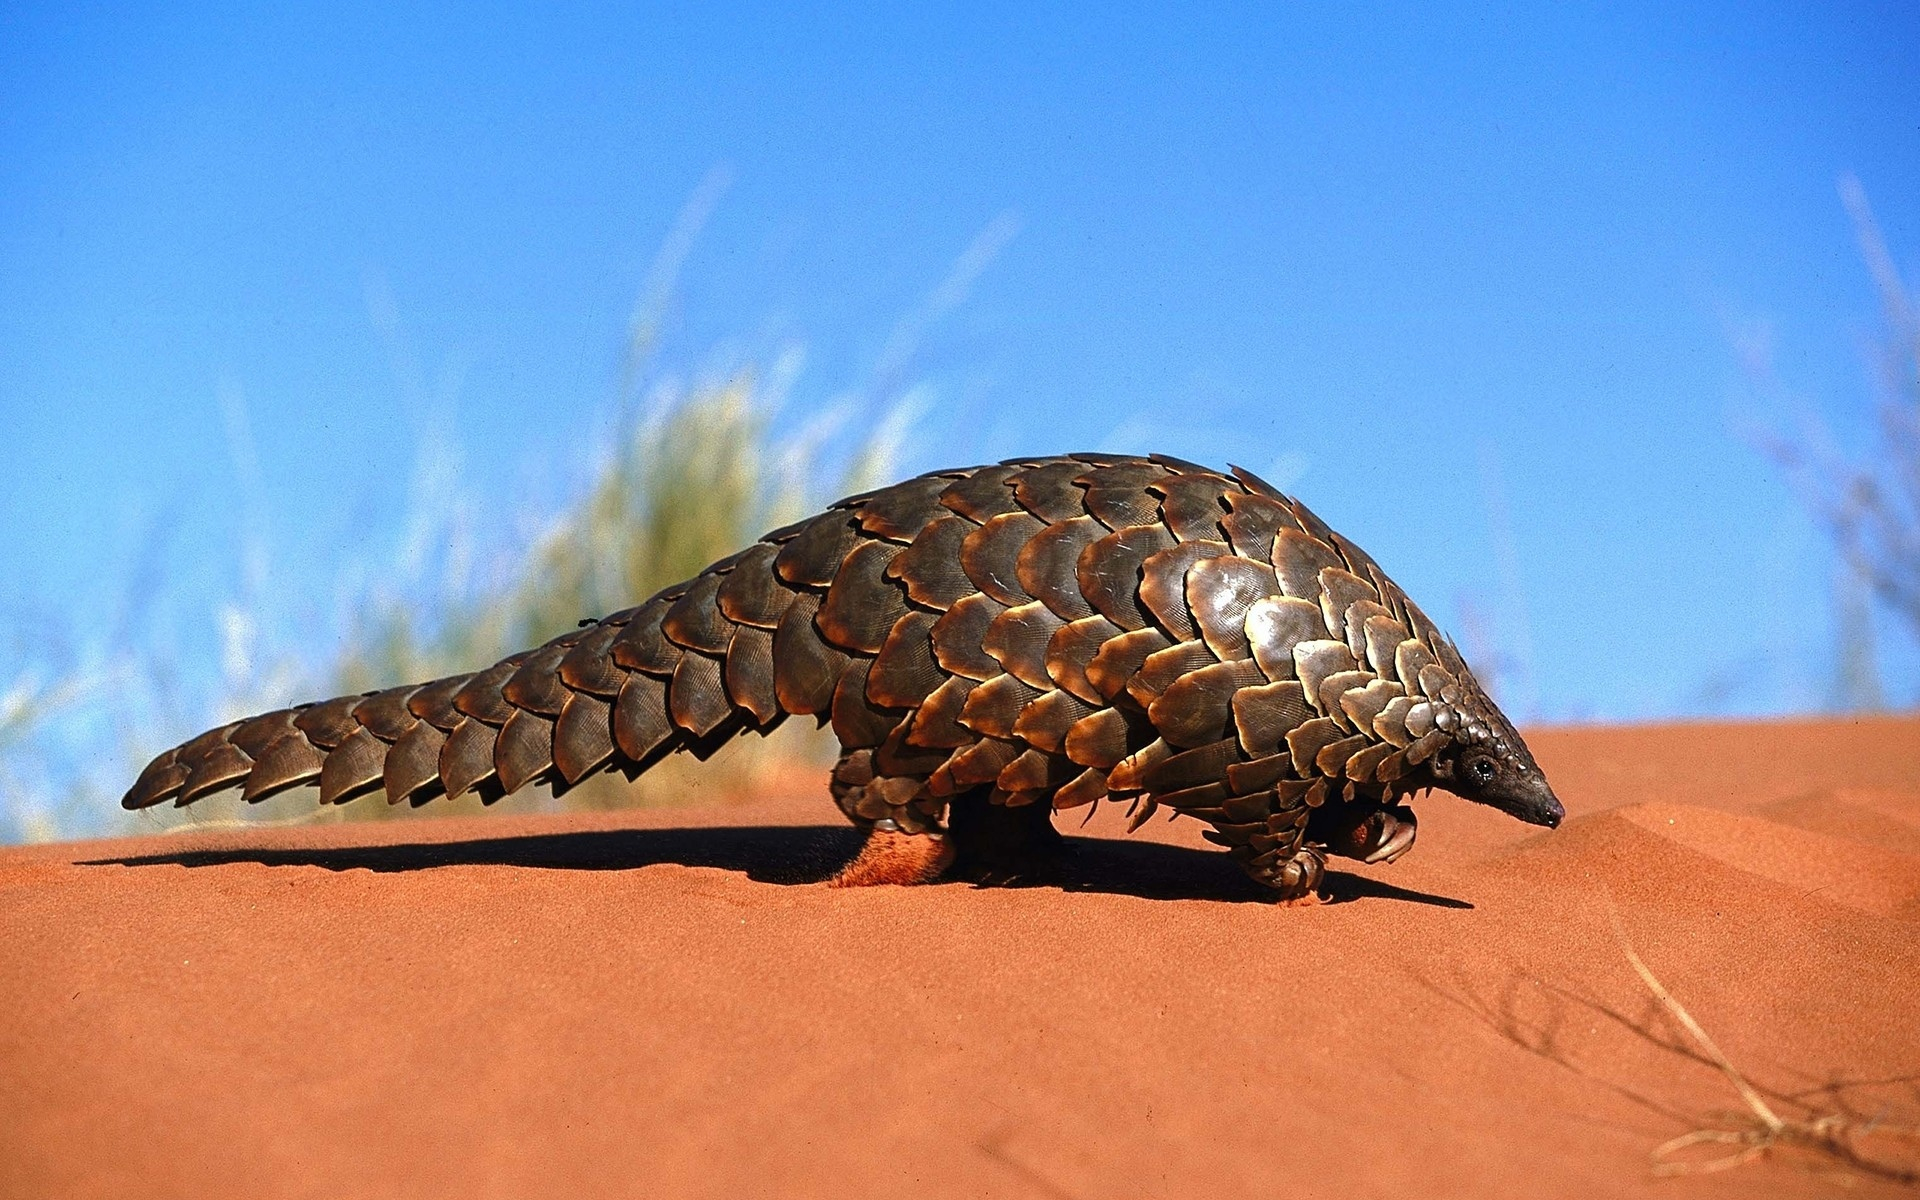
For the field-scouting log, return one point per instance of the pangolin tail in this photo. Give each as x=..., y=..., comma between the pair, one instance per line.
x=620, y=693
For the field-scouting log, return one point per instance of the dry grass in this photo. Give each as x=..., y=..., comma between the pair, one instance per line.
x=1868, y=501
x=1832, y=1138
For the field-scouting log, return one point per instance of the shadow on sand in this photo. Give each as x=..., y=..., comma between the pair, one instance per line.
x=786, y=855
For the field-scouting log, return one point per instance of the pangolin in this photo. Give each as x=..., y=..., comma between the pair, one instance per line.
x=990, y=644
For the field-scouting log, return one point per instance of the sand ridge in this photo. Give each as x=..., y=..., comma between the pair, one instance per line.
x=671, y=1003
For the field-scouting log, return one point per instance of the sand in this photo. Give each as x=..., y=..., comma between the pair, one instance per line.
x=669, y=1003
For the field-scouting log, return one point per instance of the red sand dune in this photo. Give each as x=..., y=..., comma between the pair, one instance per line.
x=664, y=1003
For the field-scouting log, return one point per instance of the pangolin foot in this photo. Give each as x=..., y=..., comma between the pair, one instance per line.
x=1294, y=879
x=893, y=855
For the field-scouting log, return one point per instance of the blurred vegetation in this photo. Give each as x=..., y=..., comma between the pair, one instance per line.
x=681, y=493
x=27, y=707
x=1868, y=501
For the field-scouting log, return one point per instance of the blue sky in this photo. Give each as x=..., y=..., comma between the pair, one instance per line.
x=1471, y=280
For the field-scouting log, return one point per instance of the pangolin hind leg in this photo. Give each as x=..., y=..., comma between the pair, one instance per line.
x=906, y=843
x=1271, y=843
x=892, y=855
x=983, y=841
x=1295, y=876
x=1290, y=855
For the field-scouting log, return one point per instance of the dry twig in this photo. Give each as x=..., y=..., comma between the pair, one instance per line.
x=1832, y=1135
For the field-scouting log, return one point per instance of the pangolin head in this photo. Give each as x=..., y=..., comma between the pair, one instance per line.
x=1485, y=760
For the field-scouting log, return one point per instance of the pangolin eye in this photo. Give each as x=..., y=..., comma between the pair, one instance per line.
x=1480, y=769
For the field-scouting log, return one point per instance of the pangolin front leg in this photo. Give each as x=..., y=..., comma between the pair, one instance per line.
x=1370, y=832
x=1044, y=633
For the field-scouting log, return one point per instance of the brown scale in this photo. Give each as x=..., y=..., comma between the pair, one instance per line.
x=352, y=768
x=1119, y=658
x=1192, y=505
x=1340, y=592
x=1162, y=668
x=1109, y=572
x=1264, y=713
x=697, y=695
x=861, y=605
x=1298, y=559
x=990, y=555
x=899, y=513
x=1048, y=491
x=980, y=763
x=906, y=672
x=642, y=646
x=433, y=703
x=1085, y=788
x=466, y=759
x=930, y=566
x=1122, y=503
x=1047, y=565
x=960, y=635
x=749, y=674
x=1275, y=626
x=412, y=769
x=589, y=665
x=535, y=686
x=1193, y=767
x=217, y=766
x=1035, y=772
x=1219, y=593
x=253, y=737
x=1380, y=638
x=1163, y=583
x=805, y=667
x=1333, y=694
x=993, y=707
x=981, y=494
x=1198, y=707
x=1258, y=775
x=523, y=751
x=328, y=724
x=1018, y=639
x=752, y=593
x=1251, y=522
x=385, y=714
x=1102, y=738
x=1034, y=635
x=641, y=727
x=857, y=721
x=287, y=762
x=696, y=622
x=1071, y=650
x=895, y=755
x=1128, y=775
x=1046, y=721
x=936, y=723
x=814, y=555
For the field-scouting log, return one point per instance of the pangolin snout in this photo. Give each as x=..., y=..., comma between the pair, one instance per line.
x=1533, y=802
